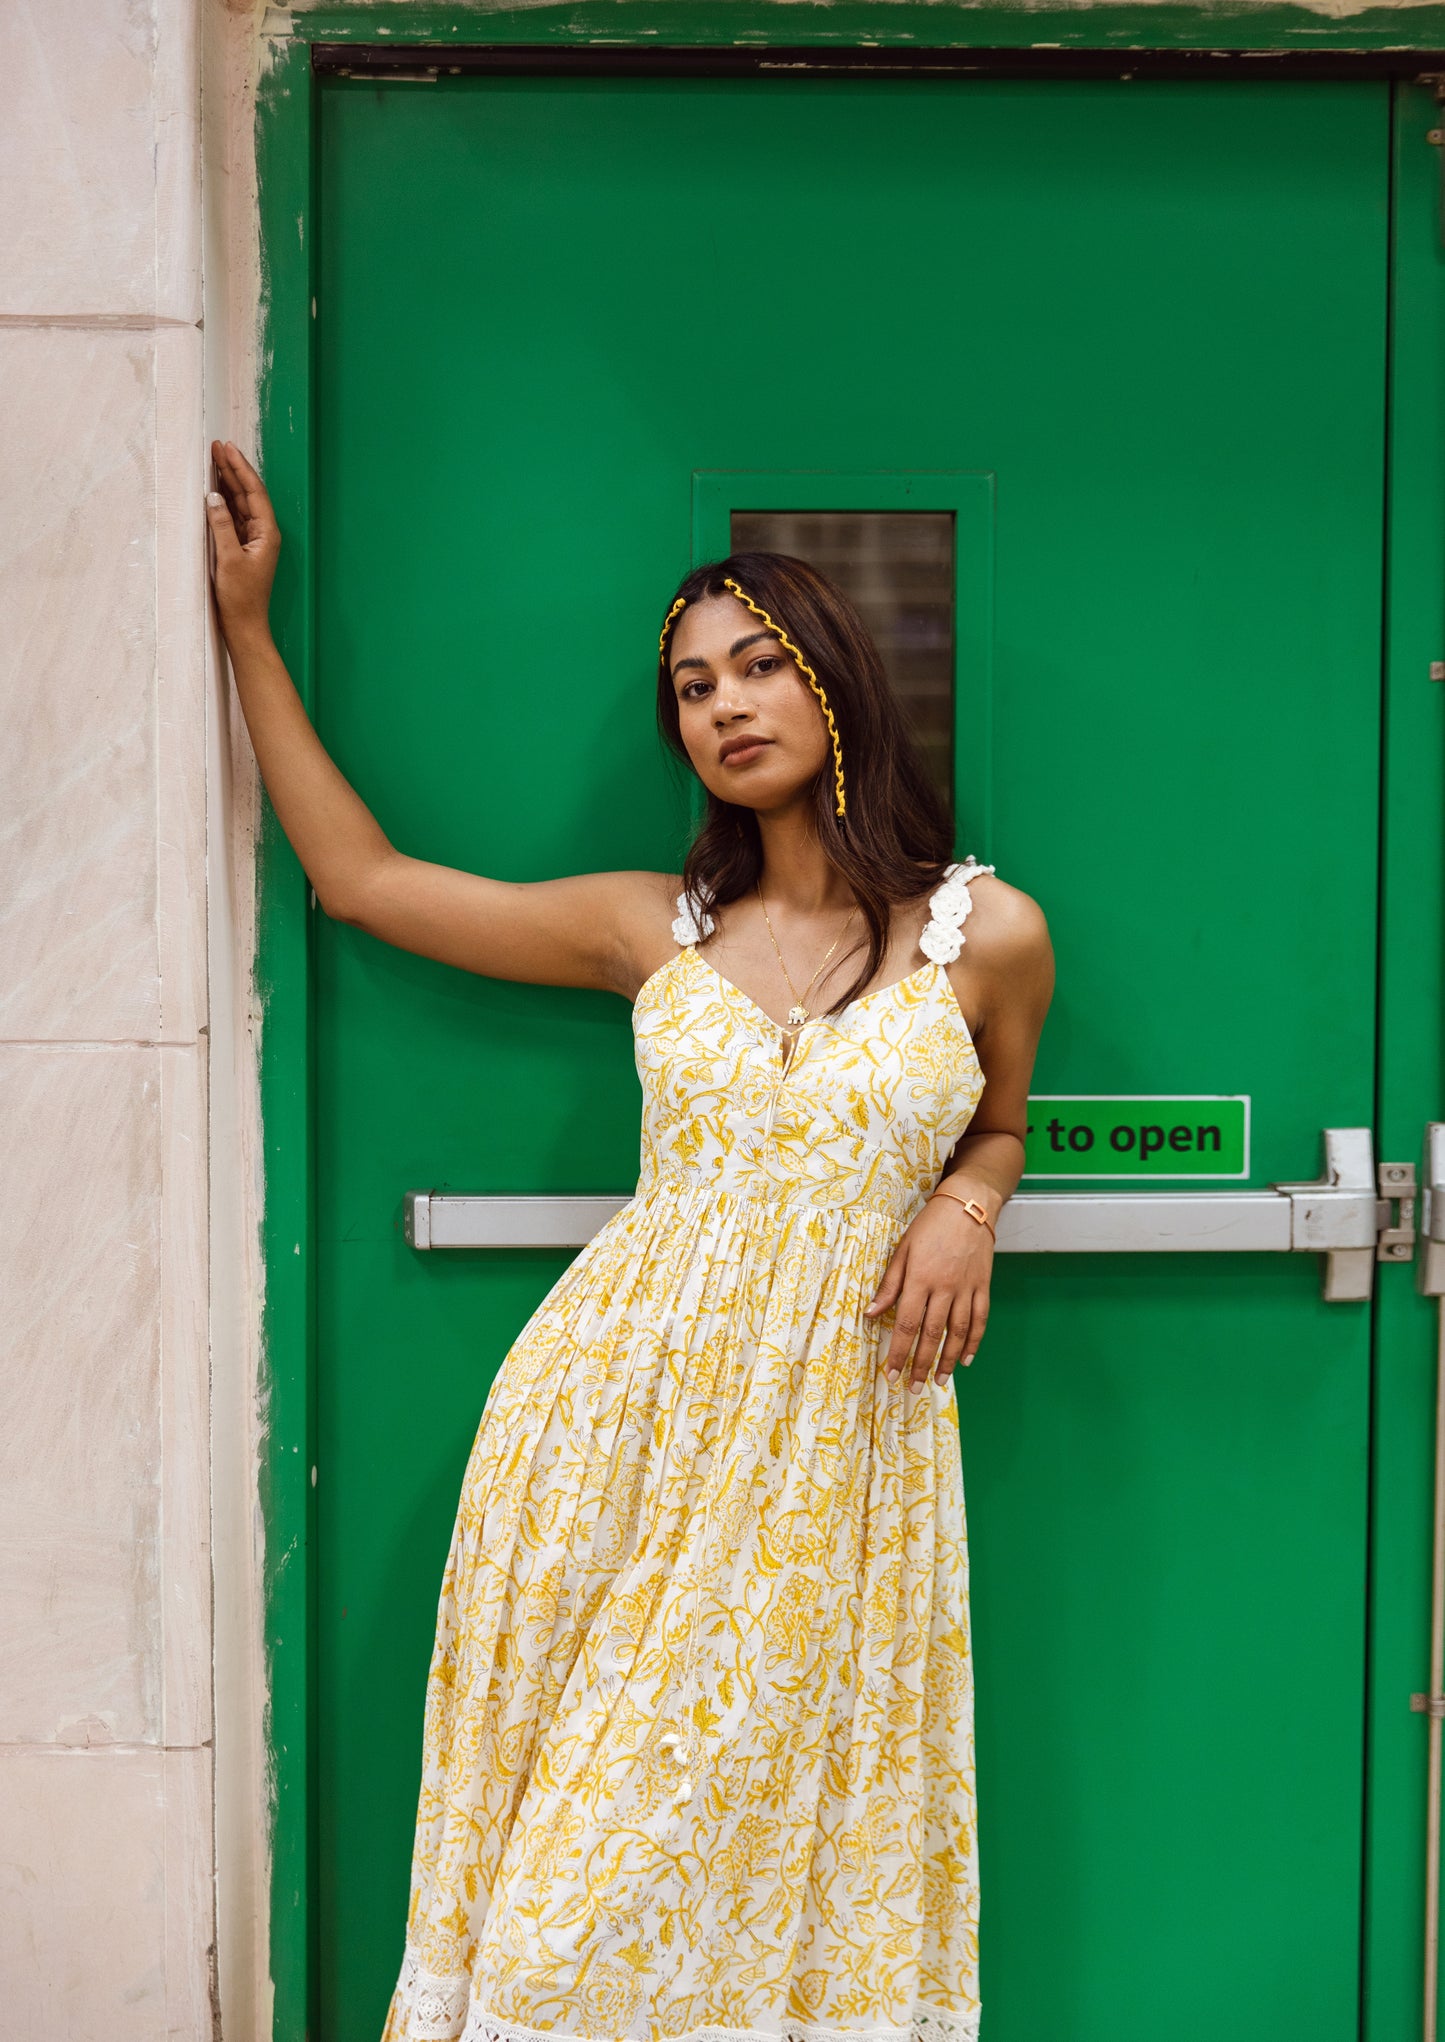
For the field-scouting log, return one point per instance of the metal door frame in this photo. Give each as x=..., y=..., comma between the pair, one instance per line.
x=891, y=38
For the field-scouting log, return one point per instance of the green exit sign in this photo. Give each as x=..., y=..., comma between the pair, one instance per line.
x=1085, y=1134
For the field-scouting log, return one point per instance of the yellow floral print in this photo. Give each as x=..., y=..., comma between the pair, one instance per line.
x=698, y=1757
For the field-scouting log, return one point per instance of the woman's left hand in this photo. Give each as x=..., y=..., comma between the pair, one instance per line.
x=939, y=1280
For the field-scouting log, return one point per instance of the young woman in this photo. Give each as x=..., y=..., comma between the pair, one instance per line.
x=698, y=1756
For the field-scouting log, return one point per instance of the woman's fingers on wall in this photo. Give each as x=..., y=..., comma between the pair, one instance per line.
x=223, y=530
x=249, y=493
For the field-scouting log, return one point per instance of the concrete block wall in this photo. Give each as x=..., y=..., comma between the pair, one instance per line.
x=107, y=1904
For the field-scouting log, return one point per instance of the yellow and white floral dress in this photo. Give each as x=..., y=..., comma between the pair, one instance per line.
x=698, y=1760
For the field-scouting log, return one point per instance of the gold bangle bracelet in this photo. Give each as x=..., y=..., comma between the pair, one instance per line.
x=970, y=1205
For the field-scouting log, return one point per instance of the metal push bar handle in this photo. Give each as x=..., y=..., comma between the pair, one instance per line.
x=1338, y=1216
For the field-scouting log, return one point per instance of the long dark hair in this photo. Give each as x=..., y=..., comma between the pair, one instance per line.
x=896, y=838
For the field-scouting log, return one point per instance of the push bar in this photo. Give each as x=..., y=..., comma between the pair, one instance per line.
x=1339, y=1216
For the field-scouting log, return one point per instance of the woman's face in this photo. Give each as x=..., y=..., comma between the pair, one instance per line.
x=750, y=723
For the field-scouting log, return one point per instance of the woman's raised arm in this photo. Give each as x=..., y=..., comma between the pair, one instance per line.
x=603, y=929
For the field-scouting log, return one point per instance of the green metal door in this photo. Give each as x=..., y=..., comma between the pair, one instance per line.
x=1155, y=314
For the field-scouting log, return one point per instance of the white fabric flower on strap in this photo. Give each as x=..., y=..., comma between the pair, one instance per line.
x=948, y=909
x=690, y=928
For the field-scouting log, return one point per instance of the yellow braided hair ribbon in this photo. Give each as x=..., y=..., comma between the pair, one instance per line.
x=813, y=682
x=680, y=604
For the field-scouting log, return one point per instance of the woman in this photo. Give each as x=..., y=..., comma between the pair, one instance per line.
x=698, y=1753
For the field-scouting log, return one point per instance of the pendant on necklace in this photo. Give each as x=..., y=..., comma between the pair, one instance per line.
x=797, y=1016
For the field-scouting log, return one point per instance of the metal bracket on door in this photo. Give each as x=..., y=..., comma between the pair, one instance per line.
x=1343, y=1215
x=1339, y=1215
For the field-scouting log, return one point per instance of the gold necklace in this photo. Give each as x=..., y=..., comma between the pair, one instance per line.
x=798, y=1012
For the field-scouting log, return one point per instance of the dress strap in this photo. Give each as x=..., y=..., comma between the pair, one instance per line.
x=948, y=909
x=690, y=928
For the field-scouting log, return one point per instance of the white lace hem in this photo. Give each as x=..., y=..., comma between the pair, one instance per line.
x=439, y=2010
x=948, y=910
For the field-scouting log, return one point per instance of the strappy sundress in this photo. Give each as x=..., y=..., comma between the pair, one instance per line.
x=698, y=1748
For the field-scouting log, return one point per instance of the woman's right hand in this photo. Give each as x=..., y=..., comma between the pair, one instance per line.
x=245, y=545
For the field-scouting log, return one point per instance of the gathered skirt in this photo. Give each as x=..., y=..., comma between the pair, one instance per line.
x=698, y=1747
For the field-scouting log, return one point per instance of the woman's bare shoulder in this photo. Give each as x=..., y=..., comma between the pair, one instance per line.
x=1005, y=970
x=1007, y=925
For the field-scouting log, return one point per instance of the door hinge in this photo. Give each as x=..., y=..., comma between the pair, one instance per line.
x=1428, y=1705
x=1395, y=1241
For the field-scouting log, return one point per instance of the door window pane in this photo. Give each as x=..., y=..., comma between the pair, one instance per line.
x=897, y=566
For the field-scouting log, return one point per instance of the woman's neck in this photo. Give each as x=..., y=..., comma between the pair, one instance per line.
x=797, y=873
